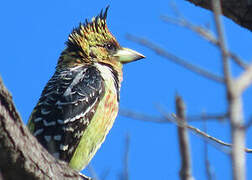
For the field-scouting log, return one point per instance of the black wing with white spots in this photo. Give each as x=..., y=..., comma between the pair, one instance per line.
x=65, y=109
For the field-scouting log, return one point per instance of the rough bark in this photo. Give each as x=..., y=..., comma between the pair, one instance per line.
x=240, y=11
x=21, y=156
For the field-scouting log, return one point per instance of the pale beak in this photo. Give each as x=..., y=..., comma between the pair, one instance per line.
x=126, y=55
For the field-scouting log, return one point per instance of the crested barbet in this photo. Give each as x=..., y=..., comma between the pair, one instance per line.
x=79, y=104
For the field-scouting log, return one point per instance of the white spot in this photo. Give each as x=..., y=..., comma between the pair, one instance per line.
x=37, y=119
x=45, y=112
x=73, y=69
x=39, y=131
x=86, y=99
x=71, y=149
x=57, y=137
x=63, y=147
x=52, y=123
x=81, y=94
x=68, y=129
x=59, y=103
x=56, y=155
x=48, y=138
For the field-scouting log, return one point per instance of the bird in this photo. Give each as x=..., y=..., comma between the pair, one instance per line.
x=80, y=102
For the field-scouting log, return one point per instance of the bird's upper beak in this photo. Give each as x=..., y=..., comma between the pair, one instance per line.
x=126, y=55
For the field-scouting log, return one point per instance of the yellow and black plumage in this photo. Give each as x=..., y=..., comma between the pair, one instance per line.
x=79, y=104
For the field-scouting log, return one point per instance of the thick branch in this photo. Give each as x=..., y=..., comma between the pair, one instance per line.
x=234, y=101
x=22, y=157
x=237, y=10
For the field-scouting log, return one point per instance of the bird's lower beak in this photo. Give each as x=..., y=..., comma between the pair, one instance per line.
x=126, y=55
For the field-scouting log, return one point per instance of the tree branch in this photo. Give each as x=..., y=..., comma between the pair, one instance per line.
x=184, y=148
x=22, y=157
x=175, y=59
x=205, y=34
x=244, y=80
x=205, y=135
x=234, y=102
x=189, y=118
x=172, y=119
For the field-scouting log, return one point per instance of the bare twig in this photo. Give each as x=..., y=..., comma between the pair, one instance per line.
x=238, y=60
x=141, y=117
x=171, y=119
x=184, y=148
x=234, y=101
x=154, y=119
x=204, y=33
x=176, y=59
x=202, y=133
x=244, y=80
x=204, y=117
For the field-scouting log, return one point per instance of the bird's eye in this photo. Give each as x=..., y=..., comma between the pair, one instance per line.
x=110, y=47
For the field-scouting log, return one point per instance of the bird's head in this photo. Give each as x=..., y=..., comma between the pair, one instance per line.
x=92, y=42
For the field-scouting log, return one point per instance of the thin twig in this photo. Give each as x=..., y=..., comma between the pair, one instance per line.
x=202, y=133
x=244, y=80
x=175, y=59
x=234, y=101
x=184, y=145
x=170, y=119
x=204, y=117
x=204, y=33
x=238, y=60
x=154, y=119
x=141, y=117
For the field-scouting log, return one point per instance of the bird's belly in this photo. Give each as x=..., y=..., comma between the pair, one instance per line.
x=96, y=131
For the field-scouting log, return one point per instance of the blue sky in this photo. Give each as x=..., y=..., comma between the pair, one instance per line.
x=33, y=35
